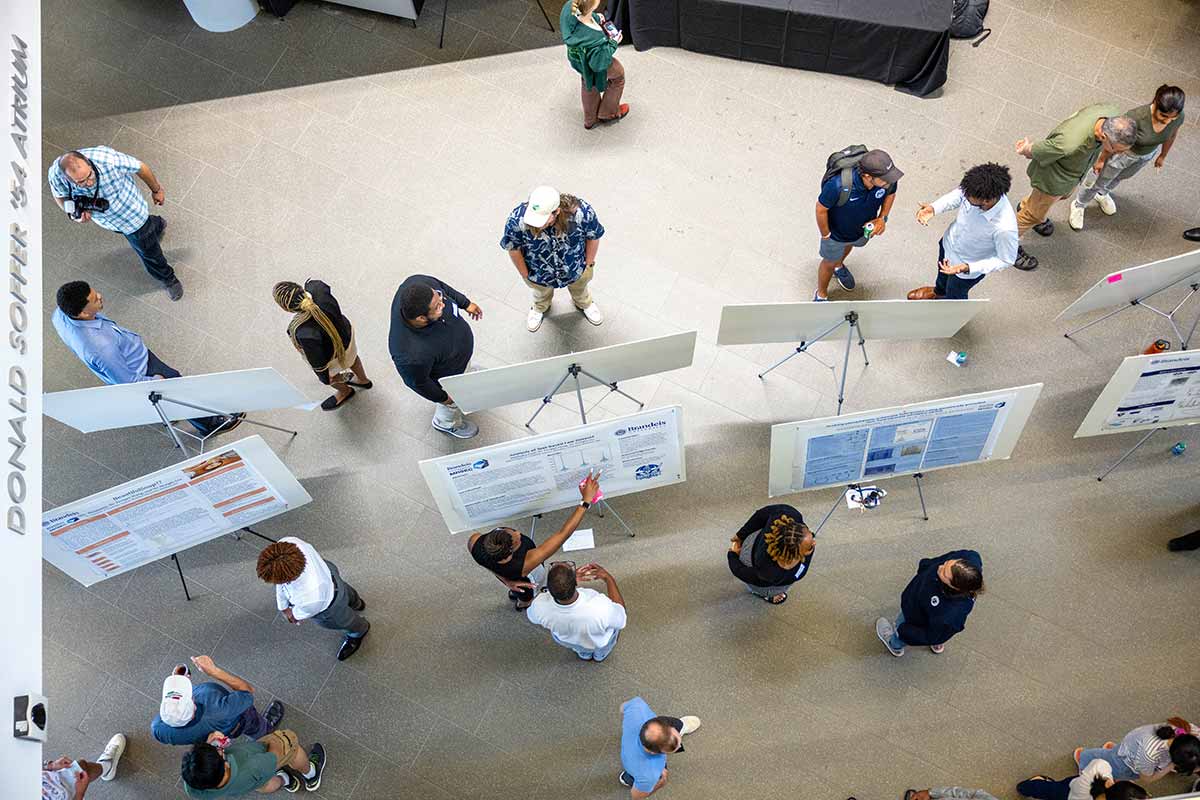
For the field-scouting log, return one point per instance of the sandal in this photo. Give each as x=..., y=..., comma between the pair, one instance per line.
x=366, y=385
x=331, y=402
x=782, y=598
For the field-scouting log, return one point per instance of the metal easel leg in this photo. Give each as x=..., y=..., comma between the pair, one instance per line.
x=605, y=504
x=542, y=8
x=862, y=345
x=548, y=398
x=612, y=387
x=445, y=9
x=182, y=580
x=917, y=476
x=833, y=508
x=1129, y=452
x=1070, y=333
x=846, y=360
x=803, y=348
x=578, y=393
x=533, y=524
x=154, y=398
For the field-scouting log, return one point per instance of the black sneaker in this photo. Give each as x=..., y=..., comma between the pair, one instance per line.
x=1189, y=541
x=293, y=785
x=316, y=757
x=625, y=779
x=1044, y=228
x=1025, y=261
x=274, y=714
x=174, y=289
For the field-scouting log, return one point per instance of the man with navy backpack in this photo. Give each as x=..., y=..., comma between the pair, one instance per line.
x=857, y=194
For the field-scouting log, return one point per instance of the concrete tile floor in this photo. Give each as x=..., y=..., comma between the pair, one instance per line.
x=345, y=145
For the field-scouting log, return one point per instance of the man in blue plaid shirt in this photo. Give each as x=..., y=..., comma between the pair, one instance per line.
x=84, y=175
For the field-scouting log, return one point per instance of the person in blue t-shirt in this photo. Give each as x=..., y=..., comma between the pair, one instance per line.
x=646, y=740
x=870, y=201
x=189, y=714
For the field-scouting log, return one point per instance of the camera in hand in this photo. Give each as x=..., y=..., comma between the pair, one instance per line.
x=77, y=204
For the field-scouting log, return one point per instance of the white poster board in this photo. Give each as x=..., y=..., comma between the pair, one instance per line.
x=1155, y=391
x=902, y=440
x=533, y=380
x=123, y=405
x=169, y=510
x=758, y=323
x=1134, y=283
x=478, y=488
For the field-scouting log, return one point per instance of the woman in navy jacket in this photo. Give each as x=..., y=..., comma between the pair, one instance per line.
x=936, y=602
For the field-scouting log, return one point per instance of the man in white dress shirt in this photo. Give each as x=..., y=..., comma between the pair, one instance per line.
x=582, y=620
x=982, y=238
x=309, y=587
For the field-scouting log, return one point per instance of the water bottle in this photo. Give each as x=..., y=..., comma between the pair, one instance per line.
x=1159, y=346
x=1179, y=448
x=961, y=358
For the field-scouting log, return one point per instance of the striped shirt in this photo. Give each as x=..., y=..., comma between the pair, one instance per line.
x=127, y=207
x=1144, y=752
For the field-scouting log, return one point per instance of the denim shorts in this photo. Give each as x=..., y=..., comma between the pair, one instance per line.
x=831, y=249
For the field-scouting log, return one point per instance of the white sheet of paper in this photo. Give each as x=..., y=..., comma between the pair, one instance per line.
x=581, y=539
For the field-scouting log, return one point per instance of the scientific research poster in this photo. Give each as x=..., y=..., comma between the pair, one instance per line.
x=871, y=445
x=168, y=511
x=478, y=488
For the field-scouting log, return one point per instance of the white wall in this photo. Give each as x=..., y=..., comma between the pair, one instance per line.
x=20, y=398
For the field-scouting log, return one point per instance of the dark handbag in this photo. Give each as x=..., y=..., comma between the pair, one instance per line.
x=966, y=20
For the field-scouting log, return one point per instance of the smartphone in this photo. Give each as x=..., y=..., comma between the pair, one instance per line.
x=611, y=30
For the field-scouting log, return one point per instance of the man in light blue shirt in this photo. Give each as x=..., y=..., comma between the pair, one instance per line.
x=645, y=742
x=98, y=183
x=983, y=237
x=113, y=354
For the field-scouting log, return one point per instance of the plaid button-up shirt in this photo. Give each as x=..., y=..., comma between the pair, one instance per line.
x=127, y=207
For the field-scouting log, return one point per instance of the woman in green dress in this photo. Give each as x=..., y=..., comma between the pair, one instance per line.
x=591, y=45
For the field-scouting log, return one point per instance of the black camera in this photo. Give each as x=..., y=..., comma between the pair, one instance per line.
x=77, y=204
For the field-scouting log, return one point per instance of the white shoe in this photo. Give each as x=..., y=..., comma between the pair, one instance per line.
x=463, y=430
x=112, y=756
x=1075, y=220
x=1107, y=204
x=593, y=313
x=884, y=630
x=533, y=320
x=690, y=725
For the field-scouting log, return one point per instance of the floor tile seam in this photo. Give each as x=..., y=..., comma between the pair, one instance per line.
x=196, y=55
x=1154, y=61
x=390, y=689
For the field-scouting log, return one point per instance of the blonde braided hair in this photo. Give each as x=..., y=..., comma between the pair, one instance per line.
x=291, y=297
x=785, y=541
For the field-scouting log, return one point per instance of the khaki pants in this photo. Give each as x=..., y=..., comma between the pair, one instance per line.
x=597, y=106
x=542, y=295
x=1034, y=209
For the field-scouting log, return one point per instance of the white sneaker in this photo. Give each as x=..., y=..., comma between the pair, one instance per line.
x=1107, y=204
x=593, y=313
x=533, y=320
x=884, y=630
x=690, y=725
x=463, y=430
x=112, y=756
x=1075, y=220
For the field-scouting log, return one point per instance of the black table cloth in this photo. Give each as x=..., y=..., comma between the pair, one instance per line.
x=900, y=42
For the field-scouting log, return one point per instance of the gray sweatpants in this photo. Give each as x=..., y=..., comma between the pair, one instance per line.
x=340, y=616
x=1121, y=167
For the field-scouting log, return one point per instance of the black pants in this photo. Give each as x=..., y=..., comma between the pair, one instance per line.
x=145, y=242
x=154, y=366
x=1046, y=789
x=952, y=287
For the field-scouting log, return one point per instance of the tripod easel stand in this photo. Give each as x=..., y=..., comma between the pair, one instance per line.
x=236, y=535
x=1169, y=316
x=853, y=487
x=851, y=321
x=157, y=398
x=573, y=372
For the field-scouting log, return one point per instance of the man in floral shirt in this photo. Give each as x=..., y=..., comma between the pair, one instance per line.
x=552, y=240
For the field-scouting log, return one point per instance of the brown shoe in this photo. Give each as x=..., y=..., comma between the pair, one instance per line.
x=924, y=293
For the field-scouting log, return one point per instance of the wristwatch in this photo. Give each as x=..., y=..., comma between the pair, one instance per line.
x=585, y=505
x=885, y=217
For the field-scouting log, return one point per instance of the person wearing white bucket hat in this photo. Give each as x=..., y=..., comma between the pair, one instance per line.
x=552, y=240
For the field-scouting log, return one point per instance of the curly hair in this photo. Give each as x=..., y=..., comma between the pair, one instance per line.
x=280, y=562
x=785, y=540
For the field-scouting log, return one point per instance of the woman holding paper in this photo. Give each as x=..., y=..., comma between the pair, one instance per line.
x=771, y=552
x=516, y=560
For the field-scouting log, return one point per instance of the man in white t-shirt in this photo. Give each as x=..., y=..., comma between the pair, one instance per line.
x=583, y=620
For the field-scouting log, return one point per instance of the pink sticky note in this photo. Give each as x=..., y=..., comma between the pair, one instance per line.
x=1114, y=277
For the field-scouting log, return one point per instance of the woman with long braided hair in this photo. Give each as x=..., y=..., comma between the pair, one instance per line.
x=771, y=552
x=324, y=335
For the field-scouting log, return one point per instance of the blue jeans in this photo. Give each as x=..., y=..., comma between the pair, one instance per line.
x=896, y=642
x=591, y=655
x=952, y=287
x=145, y=242
x=1120, y=770
x=155, y=366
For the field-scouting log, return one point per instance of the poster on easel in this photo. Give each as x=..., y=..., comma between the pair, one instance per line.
x=1146, y=392
x=169, y=510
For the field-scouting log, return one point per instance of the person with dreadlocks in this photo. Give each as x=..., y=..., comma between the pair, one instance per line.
x=322, y=333
x=591, y=47
x=771, y=552
x=309, y=587
x=516, y=560
x=936, y=602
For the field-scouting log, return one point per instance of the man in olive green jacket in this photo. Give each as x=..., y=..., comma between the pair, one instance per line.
x=1057, y=163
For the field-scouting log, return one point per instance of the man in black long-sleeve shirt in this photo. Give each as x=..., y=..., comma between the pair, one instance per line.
x=430, y=339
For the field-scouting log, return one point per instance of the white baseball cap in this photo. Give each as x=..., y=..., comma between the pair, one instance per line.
x=542, y=202
x=177, y=708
